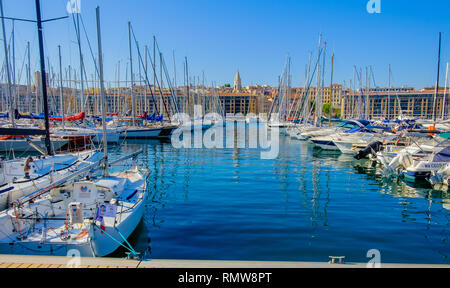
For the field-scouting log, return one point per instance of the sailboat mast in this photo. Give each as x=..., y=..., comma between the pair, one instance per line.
x=8, y=75
x=43, y=78
x=445, y=94
x=81, y=63
x=146, y=86
x=102, y=88
x=436, y=91
x=331, y=90
x=389, y=95
x=13, y=60
x=133, y=100
x=61, y=97
x=29, y=77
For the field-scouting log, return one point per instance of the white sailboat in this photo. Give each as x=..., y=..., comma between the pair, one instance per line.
x=43, y=226
x=22, y=144
x=24, y=176
x=93, y=216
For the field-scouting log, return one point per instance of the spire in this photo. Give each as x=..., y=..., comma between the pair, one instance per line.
x=237, y=83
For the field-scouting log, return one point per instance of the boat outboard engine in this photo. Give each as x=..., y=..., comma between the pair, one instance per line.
x=373, y=147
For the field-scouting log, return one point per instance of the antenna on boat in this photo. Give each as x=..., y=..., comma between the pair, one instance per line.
x=102, y=88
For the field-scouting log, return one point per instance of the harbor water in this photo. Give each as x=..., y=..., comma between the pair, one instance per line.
x=305, y=205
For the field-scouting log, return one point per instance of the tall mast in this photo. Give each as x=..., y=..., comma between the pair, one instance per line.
x=161, y=85
x=102, y=88
x=133, y=100
x=61, y=97
x=174, y=70
x=70, y=89
x=331, y=90
x=29, y=78
x=8, y=75
x=146, y=86
x=437, y=81
x=389, y=95
x=14, y=100
x=188, y=85
x=81, y=63
x=175, y=79
x=139, y=83
x=118, y=90
x=318, y=83
x=368, y=71
x=43, y=79
x=445, y=94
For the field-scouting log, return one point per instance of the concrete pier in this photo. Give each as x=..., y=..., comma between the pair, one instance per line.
x=21, y=261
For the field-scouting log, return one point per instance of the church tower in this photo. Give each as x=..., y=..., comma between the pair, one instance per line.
x=237, y=83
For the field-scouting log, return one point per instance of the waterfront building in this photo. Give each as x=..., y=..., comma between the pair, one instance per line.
x=392, y=103
x=381, y=102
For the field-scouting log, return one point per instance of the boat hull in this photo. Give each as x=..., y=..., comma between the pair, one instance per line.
x=111, y=137
x=325, y=145
x=147, y=133
x=104, y=245
x=22, y=145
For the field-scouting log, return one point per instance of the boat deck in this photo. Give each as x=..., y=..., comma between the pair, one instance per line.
x=25, y=261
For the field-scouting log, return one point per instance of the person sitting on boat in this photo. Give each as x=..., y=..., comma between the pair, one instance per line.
x=27, y=167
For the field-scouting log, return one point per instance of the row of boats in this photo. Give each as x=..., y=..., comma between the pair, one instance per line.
x=78, y=133
x=416, y=151
x=53, y=203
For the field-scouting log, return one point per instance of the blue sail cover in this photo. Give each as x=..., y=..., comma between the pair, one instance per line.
x=353, y=130
x=29, y=116
x=364, y=122
x=443, y=155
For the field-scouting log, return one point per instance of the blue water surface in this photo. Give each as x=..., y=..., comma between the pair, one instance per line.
x=306, y=205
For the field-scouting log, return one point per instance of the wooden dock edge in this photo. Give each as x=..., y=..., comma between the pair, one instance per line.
x=28, y=261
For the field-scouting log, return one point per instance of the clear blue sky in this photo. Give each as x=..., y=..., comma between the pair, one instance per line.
x=254, y=36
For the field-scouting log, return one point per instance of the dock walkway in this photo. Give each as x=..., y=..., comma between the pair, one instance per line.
x=25, y=261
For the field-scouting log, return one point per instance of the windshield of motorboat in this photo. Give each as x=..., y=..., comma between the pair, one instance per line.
x=348, y=124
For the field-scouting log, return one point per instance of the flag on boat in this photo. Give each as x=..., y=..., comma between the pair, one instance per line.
x=73, y=6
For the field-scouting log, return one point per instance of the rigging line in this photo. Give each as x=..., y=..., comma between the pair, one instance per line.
x=169, y=82
x=146, y=74
x=312, y=79
x=167, y=75
x=90, y=47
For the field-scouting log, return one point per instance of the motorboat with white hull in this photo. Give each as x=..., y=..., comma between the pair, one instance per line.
x=440, y=180
x=422, y=169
